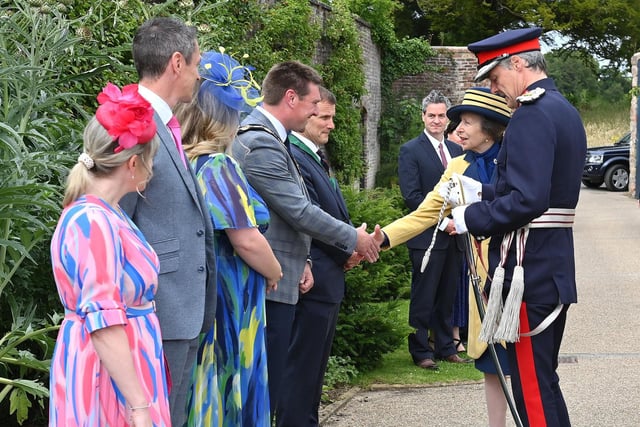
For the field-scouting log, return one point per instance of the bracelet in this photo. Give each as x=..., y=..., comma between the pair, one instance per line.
x=133, y=408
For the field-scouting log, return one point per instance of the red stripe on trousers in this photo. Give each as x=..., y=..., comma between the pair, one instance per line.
x=528, y=376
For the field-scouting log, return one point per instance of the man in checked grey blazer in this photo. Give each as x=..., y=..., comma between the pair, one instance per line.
x=171, y=213
x=291, y=94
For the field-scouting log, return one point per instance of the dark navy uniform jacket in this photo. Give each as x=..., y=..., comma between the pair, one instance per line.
x=539, y=167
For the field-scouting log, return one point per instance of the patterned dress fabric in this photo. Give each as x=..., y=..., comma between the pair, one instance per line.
x=106, y=274
x=233, y=351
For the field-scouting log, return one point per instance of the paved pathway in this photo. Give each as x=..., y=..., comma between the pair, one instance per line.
x=600, y=355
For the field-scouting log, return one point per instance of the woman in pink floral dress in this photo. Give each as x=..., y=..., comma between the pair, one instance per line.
x=108, y=366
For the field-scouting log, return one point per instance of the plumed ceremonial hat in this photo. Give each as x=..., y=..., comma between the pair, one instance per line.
x=480, y=100
x=492, y=50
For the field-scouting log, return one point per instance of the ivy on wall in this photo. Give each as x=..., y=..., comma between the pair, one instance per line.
x=344, y=76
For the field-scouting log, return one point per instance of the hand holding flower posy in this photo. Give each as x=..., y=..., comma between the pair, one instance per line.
x=126, y=116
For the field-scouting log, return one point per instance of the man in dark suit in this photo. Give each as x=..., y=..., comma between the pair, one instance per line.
x=317, y=310
x=171, y=213
x=291, y=94
x=420, y=165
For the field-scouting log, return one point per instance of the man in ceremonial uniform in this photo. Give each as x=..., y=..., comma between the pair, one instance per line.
x=528, y=212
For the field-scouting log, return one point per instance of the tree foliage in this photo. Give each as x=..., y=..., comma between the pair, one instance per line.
x=608, y=29
x=585, y=84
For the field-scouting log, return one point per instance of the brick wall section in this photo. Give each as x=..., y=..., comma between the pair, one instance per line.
x=451, y=71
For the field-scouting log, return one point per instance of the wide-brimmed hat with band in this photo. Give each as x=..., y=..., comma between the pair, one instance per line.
x=480, y=100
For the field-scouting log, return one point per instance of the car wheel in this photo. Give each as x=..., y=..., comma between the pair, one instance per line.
x=617, y=178
x=591, y=184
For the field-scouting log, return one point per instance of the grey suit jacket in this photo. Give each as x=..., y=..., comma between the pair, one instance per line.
x=294, y=219
x=173, y=218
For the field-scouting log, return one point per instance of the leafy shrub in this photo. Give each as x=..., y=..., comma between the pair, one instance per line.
x=400, y=120
x=25, y=354
x=365, y=332
x=340, y=371
x=38, y=133
x=400, y=123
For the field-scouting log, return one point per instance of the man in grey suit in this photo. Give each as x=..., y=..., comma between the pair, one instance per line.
x=291, y=94
x=171, y=213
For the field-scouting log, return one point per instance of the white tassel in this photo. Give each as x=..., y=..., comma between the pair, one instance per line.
x=494, y=307
x=509, y=329
x=427, y=255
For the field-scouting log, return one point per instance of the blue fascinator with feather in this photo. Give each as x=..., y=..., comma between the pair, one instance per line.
x=229, y=81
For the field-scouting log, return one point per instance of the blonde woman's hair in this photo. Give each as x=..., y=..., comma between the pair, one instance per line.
x=99, y=146
x=207, y=124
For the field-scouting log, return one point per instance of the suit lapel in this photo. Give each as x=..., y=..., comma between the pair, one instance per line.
x=335, y=189
x=431, y=153
x=186, y=174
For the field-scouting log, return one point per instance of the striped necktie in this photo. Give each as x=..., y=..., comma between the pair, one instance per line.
x=443, y=157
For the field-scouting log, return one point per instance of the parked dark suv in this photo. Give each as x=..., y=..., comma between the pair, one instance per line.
x=608, y=164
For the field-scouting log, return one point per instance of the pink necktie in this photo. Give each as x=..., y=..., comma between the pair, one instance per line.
x=443, y=157
x=174, y=127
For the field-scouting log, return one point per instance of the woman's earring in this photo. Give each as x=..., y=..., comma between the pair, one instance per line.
x=139, y=193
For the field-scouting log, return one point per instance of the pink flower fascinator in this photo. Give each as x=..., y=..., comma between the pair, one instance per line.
x=126, y=116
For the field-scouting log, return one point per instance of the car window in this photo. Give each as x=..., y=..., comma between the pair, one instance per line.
x=624, y=140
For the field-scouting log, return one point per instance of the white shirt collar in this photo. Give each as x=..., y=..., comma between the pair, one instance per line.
x=436, y=143
x=282, y=132
x=158, y=104
x=306, y=141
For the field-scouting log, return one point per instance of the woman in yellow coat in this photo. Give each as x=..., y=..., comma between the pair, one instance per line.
x=482, y=118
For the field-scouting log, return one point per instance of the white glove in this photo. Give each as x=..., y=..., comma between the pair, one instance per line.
x=458, y=219
x=460, y=190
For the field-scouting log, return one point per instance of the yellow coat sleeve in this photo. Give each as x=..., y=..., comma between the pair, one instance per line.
x=426, y=215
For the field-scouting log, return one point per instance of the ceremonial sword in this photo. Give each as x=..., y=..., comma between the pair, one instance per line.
x=475, y=284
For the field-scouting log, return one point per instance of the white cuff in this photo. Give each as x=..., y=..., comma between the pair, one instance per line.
x=458, y=219
x=443, y=224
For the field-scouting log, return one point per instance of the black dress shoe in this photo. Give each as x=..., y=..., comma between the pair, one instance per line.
x=427, y=364
x=454, y=358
